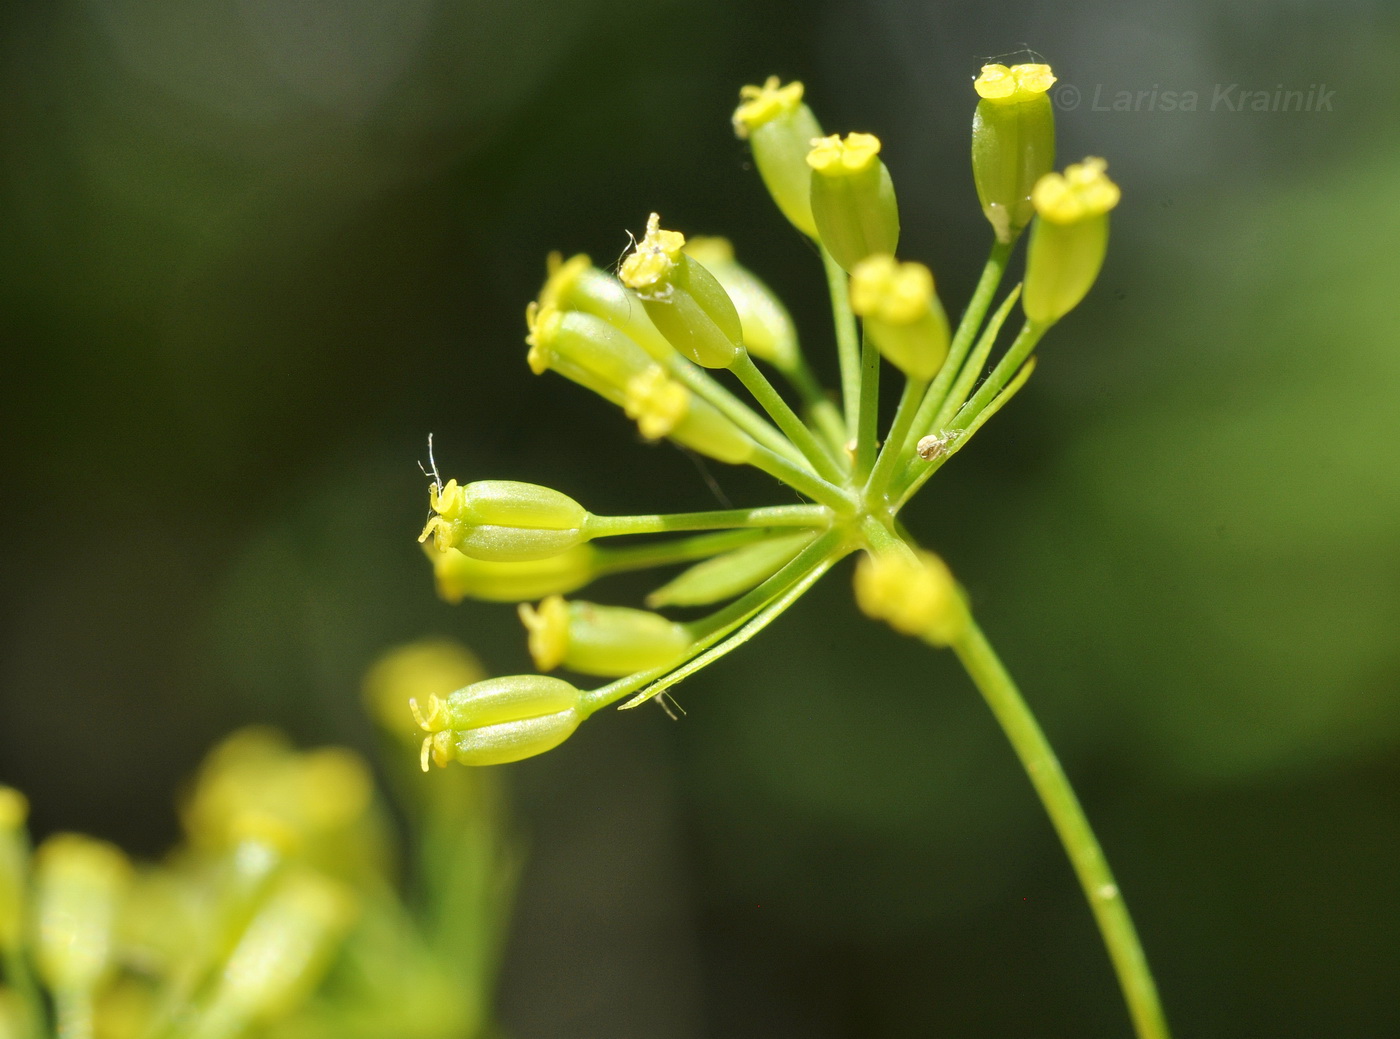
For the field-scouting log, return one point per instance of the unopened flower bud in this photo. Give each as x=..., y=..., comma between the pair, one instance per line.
x=684, y=300
x=504, y=520
x=1013, y=142
x=730, y=574
x=768, y=331
x=1069, y=238
x=611, y=641
x=901, y=314
x=575, y=284
x=853, y=199
x=79, y=883
x=498, y=720
x=780, y=130
x=914, y=593
x=460, y=577
x=283, y=952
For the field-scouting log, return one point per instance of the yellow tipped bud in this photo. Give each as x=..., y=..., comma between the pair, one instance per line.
x=498, y=720
x=902, y=314
x=575, y=284
x=656, y=402
x=853, y=199
x=600, y=640
x=459, y=576
x=504, y=520
x=913, y=592
x=1013, y=142
x=79, y=883
x=767, y=328
x=780, y=130
x=684, y=300
x=1069, y=240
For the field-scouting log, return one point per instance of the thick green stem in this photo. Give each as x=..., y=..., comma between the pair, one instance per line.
x=799, y=479
x=674, y=550
x=1009, y=365
x=796, y=430
x=1056, y=794
x=847, y=345
x=660, y=523
x=823, y=413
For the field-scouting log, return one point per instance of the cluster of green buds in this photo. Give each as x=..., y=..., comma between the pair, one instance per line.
x=677, y=338
x=277, y=913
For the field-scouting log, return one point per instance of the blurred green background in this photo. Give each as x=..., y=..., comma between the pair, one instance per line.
x=252, y=251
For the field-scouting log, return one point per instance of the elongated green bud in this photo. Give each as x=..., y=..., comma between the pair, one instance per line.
x=901, y=313
x=504, y=520
x=461, y=577
x=780, y=130
x=575, y=284
x=1068, y=240
x=853, y=199
x=283, y=952
x=1013, y=142
x=14, y=866
x=596, y=355
x=913, y=592
x=498, y=720
x=768, y=331
x=684, y=301
x=730, y=574
x=611, y=641
x=79, y=883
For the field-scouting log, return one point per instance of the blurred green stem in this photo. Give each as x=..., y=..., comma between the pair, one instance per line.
x=1050, y=782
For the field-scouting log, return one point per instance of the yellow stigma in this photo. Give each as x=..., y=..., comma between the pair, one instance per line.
x=548, y=629
x=1015, y=84
x=435, y=718
x=542, y=319
x=833, y=156
x=889, y=291
x=656, y=402
x=650, y=264
x=437, y=748
x=759, y=105
x=1083, y=191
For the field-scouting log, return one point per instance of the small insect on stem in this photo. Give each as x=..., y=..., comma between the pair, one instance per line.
x=930, y=447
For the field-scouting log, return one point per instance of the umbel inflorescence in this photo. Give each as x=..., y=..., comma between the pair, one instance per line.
x=652, y=341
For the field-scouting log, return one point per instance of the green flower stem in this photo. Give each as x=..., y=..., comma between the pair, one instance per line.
x=965, y=335
x=823, y=413
x=675, y=550
x=847, y=346
x=751, y=422
x=768, y=516
x=724, y=621
x=956, y=437
x=1025, y=342
x=867, y=418
x=1056, y=794
x=800, y=479
x=73, y=1009
x=892, y=453
x=976, y=361
x=796, y=430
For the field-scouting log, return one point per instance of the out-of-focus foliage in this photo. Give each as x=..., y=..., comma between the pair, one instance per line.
x=253, y=253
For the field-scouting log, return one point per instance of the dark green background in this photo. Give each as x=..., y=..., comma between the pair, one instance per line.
x=252, y=251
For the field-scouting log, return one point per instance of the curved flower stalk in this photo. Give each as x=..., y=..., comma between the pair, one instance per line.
x=657, y=340
x=277, y=914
